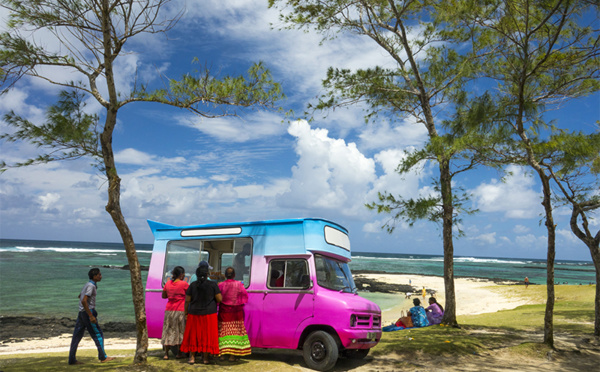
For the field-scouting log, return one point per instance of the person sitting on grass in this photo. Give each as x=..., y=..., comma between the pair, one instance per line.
x=435, y=311
x=418, y=315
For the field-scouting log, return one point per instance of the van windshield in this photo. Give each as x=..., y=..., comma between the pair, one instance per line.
x=333, y=274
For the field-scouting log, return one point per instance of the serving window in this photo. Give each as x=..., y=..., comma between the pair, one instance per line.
x=219, y=254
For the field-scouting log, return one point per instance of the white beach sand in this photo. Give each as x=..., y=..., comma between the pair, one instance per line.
x=473, y=296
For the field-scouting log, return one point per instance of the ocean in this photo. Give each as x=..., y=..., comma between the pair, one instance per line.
x=43, y=278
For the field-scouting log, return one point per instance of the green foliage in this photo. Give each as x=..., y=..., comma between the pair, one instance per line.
x=429, y=208
x=68, y=133
x=200, y=90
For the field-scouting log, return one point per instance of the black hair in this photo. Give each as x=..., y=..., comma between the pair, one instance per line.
x=432, y=299
x=201, y=274
x=416, y=302
x=230, y=273
x=176, y=273
x=93, y=272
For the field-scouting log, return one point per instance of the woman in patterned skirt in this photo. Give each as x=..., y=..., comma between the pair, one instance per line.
x=174, y=323
x=233, y=339
x=201, y=328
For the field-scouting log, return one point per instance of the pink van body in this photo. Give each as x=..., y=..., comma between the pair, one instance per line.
x=311, y=311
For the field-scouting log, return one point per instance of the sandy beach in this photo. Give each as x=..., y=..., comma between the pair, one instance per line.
x=473, y=296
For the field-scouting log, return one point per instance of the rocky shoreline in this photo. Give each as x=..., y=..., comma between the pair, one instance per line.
x=20, y=328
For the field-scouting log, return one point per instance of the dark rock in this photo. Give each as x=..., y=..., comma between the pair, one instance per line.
x=371, y=285
x=16, y=328
x=124, y=267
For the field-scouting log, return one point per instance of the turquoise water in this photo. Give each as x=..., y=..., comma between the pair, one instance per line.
x=43, y=278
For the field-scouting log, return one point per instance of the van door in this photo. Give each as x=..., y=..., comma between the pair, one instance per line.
x=288, y=300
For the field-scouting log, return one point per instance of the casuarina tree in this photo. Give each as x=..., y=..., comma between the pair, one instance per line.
x=88, y=37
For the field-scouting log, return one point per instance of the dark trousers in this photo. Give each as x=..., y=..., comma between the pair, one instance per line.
x=83, y=323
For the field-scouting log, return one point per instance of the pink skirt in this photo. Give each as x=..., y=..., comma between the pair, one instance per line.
x=201, y=334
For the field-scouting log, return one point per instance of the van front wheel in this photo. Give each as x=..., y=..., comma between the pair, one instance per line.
x=320, y=351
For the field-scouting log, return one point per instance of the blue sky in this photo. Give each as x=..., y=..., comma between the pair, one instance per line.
x=180, y=169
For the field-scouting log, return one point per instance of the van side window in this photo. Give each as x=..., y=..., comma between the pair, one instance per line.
x=288, y=274
x=184, y=253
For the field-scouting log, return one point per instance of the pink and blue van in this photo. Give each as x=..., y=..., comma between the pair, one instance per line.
x=301, y=292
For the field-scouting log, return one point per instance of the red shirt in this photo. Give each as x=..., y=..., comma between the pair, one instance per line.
x=175, y=294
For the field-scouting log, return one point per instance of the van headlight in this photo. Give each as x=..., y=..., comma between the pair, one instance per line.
x=353, y=320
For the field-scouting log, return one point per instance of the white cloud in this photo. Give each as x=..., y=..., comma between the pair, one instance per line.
x=520, y=229
x=514, y=197
x=382, y=135
x=49, y=200
x=406, y=185
x=330, y=174
x=484, y=239
x=568, y=235
x=531, y=241
x=254, y=126
x=136, y=157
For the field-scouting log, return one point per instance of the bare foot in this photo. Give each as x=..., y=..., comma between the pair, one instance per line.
x=108, y=359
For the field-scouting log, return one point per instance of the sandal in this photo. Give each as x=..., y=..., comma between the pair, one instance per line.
x=191, y=361
x=166, y=357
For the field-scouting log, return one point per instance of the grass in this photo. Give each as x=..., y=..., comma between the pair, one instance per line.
x=517, y=332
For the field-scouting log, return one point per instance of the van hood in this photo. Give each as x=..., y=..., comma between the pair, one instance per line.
x=356, y=302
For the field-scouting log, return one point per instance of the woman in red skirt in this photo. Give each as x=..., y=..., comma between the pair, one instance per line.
x=202, y=327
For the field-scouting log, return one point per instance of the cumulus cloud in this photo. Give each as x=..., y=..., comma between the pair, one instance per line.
x=330, y=173
x=49, y=201
x=515, y=197
x=407, y=185
x=484, y=239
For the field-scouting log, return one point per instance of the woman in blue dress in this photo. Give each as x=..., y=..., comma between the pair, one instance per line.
x=418, y=314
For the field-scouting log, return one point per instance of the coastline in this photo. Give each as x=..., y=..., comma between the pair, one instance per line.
x=473, y=296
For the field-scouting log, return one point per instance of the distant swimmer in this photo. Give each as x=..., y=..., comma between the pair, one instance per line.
x=526, y=282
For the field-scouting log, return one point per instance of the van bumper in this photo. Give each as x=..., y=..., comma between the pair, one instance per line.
x=359, y=339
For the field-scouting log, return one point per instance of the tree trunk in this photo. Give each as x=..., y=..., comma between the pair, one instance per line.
x=113, y=207
x=593, y=243
x=595, y=251
x=597, y=299
x=449, y=317
x=551, y=228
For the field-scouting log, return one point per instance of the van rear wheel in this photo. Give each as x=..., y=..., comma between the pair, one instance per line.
x=320, y=351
